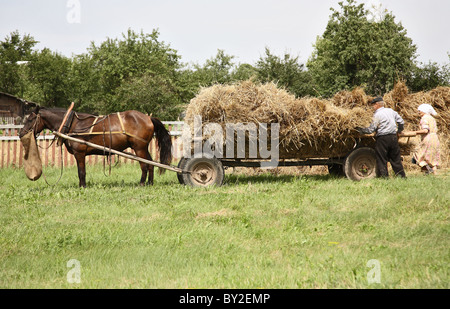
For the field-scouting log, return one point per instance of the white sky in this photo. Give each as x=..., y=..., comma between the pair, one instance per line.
x=197, y=28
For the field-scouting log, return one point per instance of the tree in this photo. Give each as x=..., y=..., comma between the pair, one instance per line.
x=49, y=78
x=424, y=77
x=13, y=50
x=216, y=70
x=116, y=67
x=358, y=51
x=151, y=94
x=84, y=83
x=244, y=71
x=287, y=72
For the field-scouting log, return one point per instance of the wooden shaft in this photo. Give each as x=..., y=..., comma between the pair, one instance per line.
x=65, y=116
x=126, y=155
x=403, y=134
x=407, y=134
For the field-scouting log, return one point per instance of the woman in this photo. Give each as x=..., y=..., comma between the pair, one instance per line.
x=427, y=155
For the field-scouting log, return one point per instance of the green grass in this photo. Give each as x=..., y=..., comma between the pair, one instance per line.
x=254, y=232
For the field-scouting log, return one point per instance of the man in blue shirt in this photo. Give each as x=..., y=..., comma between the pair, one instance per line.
x=387, y=123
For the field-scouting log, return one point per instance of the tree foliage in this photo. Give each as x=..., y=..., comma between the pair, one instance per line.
x=49, y=78
x=355, y=50
x=286, y=71
x=14, y=49
x=424, y=77
x=139, y=63
x=216, y=70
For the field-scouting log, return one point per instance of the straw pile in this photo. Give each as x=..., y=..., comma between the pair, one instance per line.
x=406, y=105
x=309, y=127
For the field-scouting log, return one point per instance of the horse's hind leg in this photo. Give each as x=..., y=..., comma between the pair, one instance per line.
x=145, y=168
x=151, y=171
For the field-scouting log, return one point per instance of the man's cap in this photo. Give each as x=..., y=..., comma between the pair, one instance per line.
x=377, y=99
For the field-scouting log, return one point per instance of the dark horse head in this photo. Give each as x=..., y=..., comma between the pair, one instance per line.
x=32, y=122
x=118, y=131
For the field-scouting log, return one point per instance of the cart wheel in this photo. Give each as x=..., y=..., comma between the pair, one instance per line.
x=360, y=164
x=181, y=165
x=336, y=170
x=203, y=172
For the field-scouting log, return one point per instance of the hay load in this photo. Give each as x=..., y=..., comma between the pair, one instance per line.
x=351, y=99
x=407, y=106
x=439, y=98
x=405, y=103
x=309, y=127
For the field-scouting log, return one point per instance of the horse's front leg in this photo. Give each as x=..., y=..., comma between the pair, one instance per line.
x=81, y=164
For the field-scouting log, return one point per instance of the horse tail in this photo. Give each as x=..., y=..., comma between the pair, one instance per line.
x=164, y=143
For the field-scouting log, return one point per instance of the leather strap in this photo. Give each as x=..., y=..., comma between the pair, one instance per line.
x=111, y=132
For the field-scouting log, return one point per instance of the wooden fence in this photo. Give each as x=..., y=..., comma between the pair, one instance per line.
x=12, y=150
x=7, y=120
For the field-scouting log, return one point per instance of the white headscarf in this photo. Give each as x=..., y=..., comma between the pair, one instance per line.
x=427, y=109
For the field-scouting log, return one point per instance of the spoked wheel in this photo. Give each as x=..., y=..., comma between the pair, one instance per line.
x=201, y=172
x=361, y=164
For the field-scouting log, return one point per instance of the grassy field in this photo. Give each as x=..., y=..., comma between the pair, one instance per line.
x=263, y=231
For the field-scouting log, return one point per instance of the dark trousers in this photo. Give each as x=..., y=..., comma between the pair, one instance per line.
x=388, y=150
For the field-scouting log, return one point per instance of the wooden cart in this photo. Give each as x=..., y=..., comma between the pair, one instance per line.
x=356, y=164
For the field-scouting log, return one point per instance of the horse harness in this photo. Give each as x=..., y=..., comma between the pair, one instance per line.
x=69, y=121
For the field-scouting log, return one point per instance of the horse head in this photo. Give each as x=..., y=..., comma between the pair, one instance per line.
x=42, y=118
x=32, y=122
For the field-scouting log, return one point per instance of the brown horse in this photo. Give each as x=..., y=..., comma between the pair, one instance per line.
x=116, y=131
